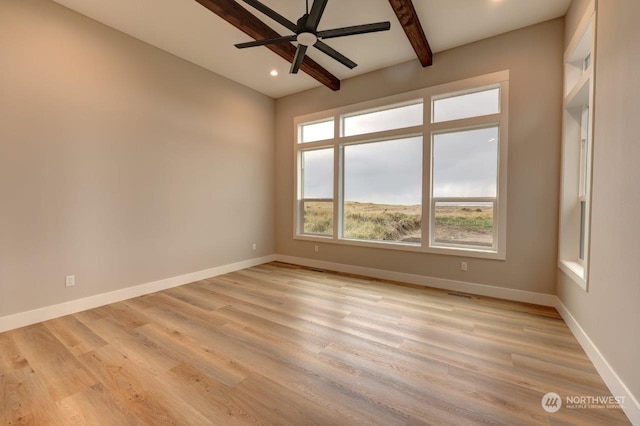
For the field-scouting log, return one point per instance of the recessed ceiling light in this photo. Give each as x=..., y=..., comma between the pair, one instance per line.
x=274, y=73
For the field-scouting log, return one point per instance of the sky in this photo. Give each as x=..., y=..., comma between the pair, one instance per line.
x=387, y=172
x=390, y=172
x=465, y=163
x=378, y=121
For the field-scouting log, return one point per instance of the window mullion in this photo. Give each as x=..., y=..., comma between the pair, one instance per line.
x=427, y=205
x=337, y=190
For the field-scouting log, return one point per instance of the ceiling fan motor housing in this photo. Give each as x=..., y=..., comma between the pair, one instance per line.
x=306, y=38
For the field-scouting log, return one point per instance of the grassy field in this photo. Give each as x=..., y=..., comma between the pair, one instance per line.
x=365, y=221
x=468, y=225
x=384, y=222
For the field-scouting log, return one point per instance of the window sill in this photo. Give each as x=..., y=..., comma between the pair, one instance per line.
x=467, y=252
x=410, y=247
x=575, y=271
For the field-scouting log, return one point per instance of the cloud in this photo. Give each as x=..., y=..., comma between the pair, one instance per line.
x=387, y=172
x=466, y=163
x=390, y=172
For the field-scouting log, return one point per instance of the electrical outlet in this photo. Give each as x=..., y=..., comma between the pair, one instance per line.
x=70, y=280
x=463, y=266
x=254, y=246
x=316, y=249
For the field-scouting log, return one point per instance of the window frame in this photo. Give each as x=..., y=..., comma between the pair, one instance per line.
x=301, y=196
x=426, y=131
x=497, y=219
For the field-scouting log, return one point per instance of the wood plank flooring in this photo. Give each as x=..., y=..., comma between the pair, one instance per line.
x=282, y=345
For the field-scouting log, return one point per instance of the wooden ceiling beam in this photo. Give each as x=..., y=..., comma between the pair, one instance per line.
x=410, y=22
x=241, y=18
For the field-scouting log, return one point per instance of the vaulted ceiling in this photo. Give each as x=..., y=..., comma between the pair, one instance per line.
x=189, y=30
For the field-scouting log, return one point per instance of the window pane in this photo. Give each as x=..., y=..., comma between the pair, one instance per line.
x=383, y=191
x=461, y=223
x=318, y=217
x=584, y=152
x=316, y=131
x=583, y=228
x=468, y=105
x=317, y=173
x=388, y=119
x=465, y=163
x=317, y=192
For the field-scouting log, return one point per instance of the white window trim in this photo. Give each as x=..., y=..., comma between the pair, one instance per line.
x=426, y=130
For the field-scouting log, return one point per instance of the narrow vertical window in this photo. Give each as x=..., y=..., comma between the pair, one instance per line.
x=577, y=151
x=317, y=192
x=465, y=178
x=583, y=190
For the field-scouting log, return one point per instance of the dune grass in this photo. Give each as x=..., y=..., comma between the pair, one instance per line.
x=466, y=225
x=386, y=222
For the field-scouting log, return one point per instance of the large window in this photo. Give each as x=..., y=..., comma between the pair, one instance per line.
x=422, y=171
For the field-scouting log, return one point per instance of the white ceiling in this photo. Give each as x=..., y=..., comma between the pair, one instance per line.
x=188, y=30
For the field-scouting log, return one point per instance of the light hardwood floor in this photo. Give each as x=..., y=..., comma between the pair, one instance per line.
x=278, y=344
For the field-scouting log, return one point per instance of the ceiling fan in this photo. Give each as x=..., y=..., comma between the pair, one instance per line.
x=306, y=33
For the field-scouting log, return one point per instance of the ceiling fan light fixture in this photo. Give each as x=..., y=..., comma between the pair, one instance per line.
x=307, y=39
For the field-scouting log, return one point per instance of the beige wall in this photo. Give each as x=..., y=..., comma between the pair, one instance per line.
x=610, y=312
x=120, y=163
x=534, y=57
x=573, y=17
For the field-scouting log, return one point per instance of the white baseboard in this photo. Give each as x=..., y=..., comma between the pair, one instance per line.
x=23, y=319
x=617, y=387
x=461, y=286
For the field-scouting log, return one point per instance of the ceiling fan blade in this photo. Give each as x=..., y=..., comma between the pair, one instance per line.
x=323, y=47
x=316, y=13
x=265, y=41
x=357, y=29
x=297, y=60
x=272, y=14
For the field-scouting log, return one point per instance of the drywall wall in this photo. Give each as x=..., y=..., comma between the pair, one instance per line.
x=120, y=163
x=573, y=17
x=534, y=58
x=609, y=312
